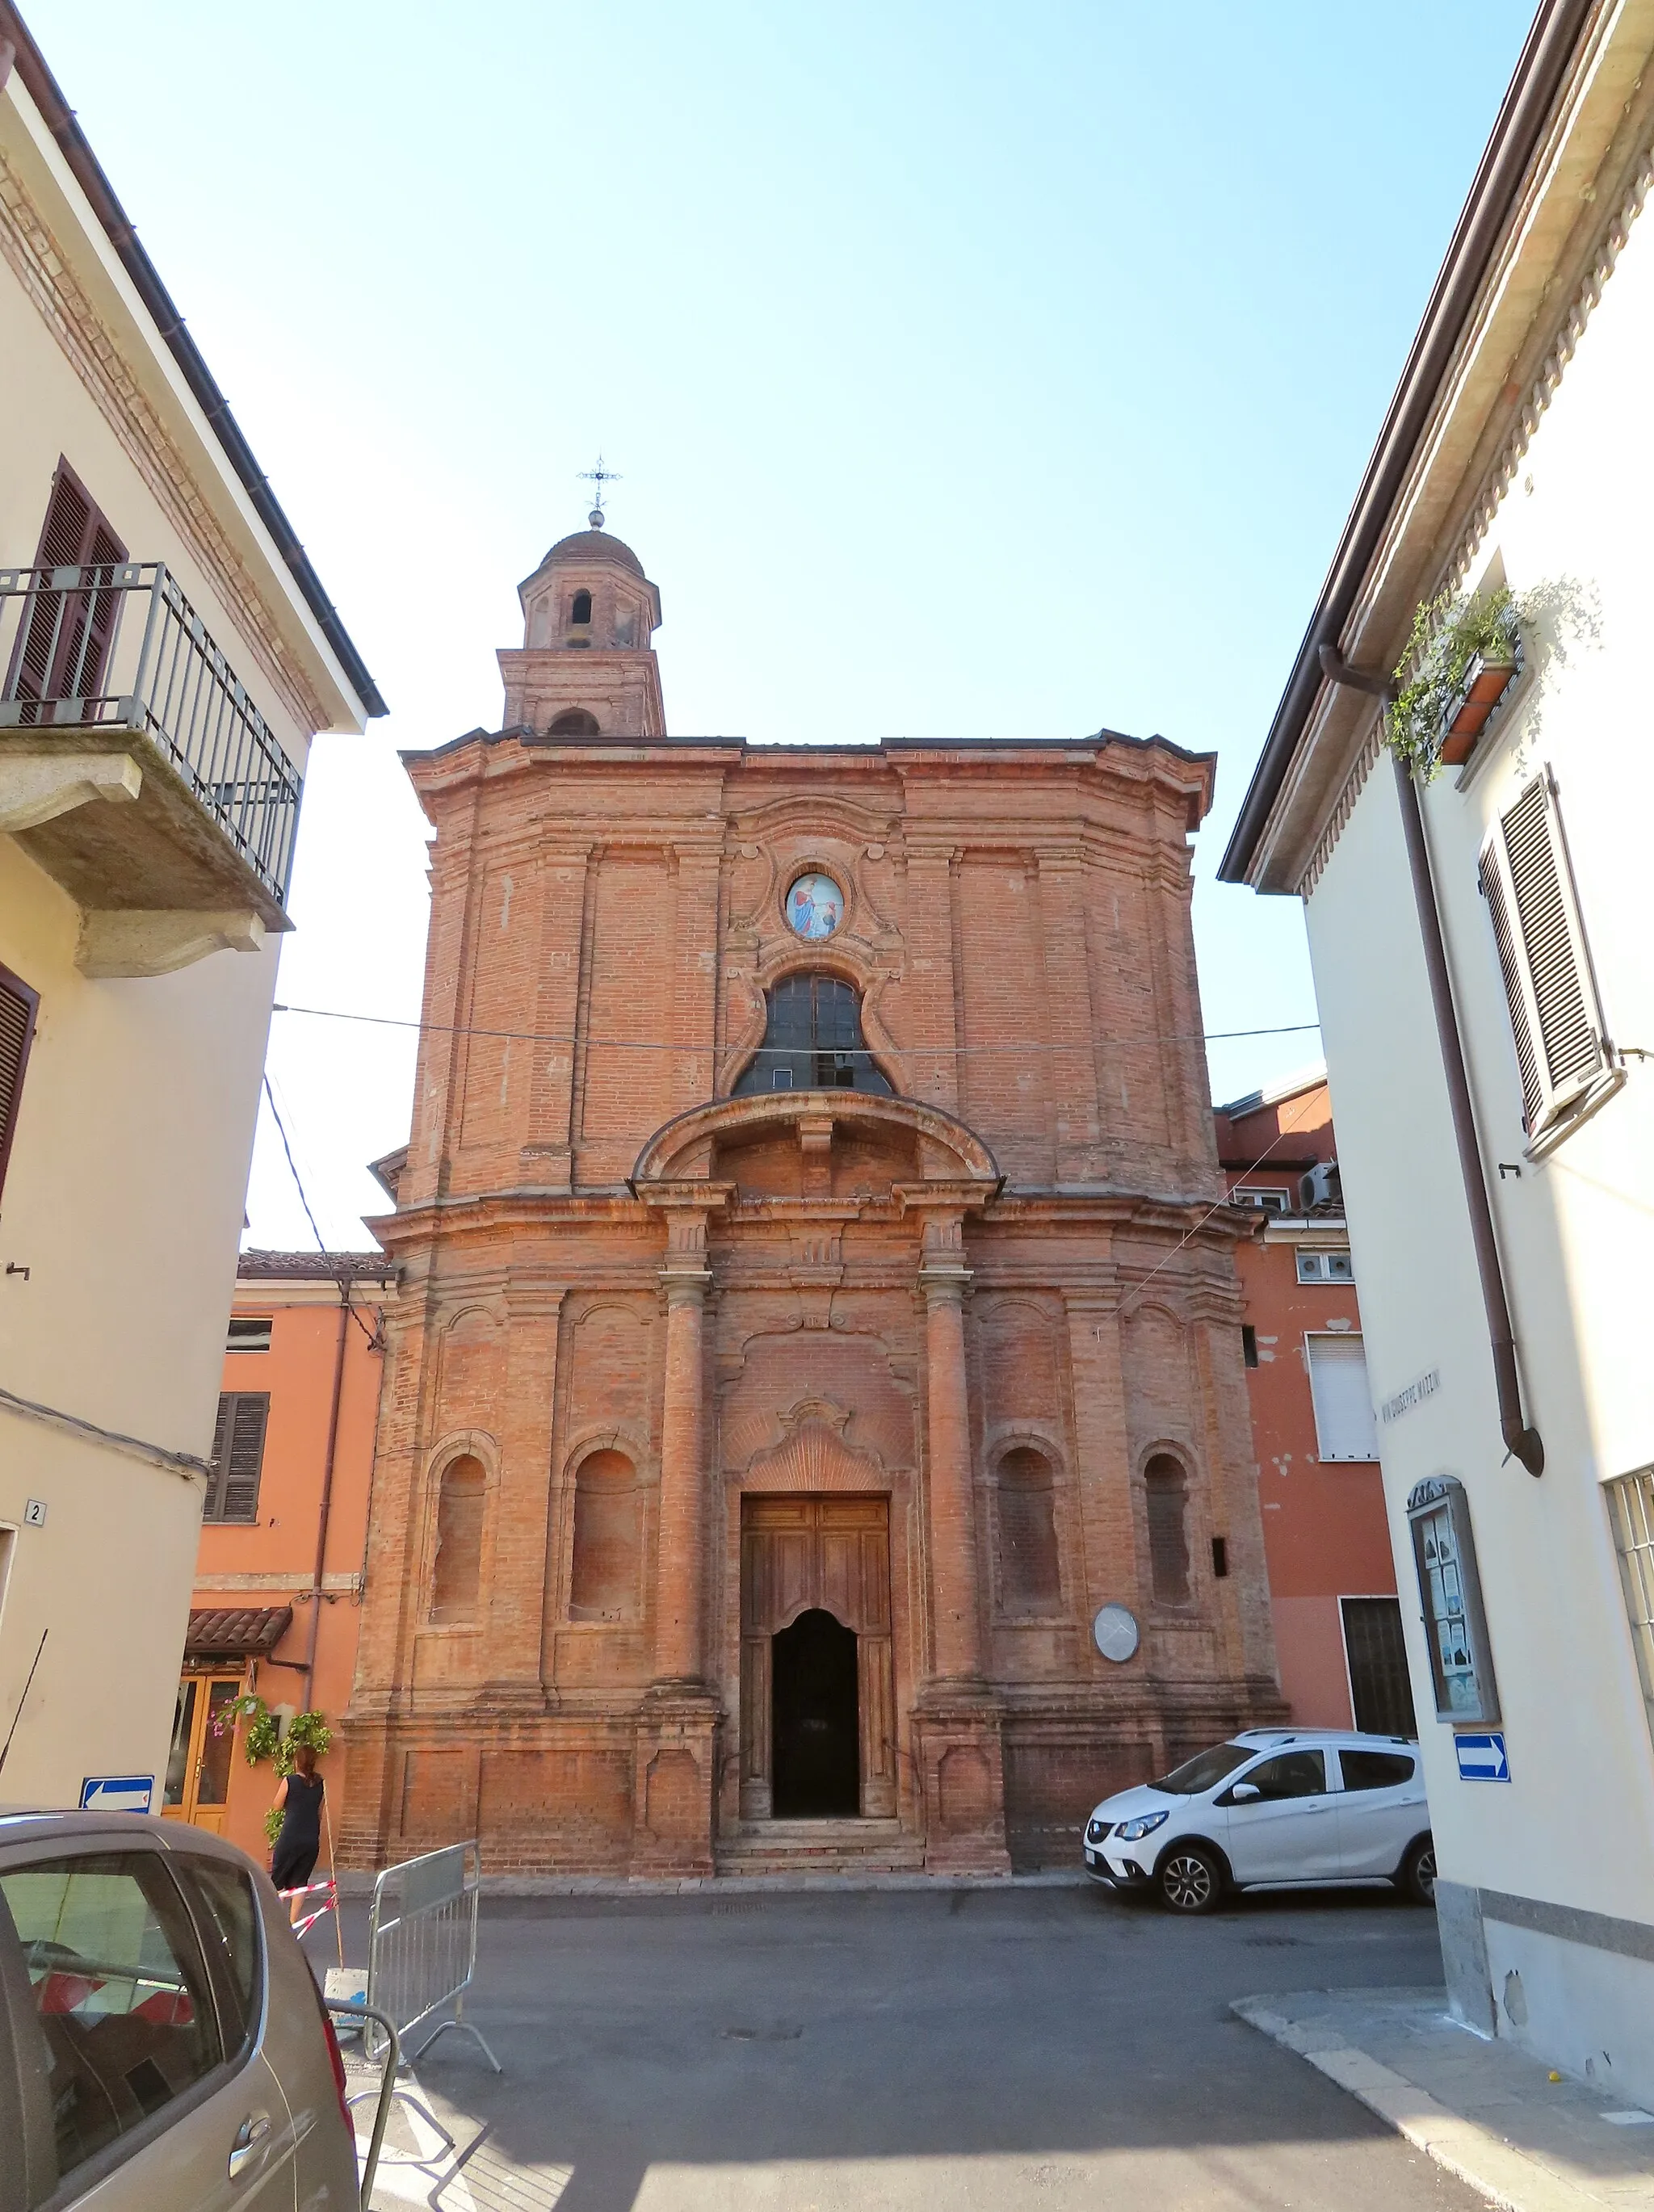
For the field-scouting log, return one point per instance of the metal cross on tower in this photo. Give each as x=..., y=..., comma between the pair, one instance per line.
x=599, y=475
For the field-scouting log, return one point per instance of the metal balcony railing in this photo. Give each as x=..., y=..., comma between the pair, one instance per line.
x=119, y=647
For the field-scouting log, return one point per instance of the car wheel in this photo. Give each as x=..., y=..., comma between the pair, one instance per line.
x=1188, y=1880
x=1417, y=1879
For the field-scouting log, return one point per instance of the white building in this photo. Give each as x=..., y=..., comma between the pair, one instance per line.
x=1516, y=452
x=166, y=655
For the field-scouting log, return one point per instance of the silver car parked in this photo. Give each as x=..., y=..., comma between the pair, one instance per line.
x=162, y=2044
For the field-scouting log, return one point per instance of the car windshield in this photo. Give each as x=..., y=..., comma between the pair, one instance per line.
x=1205, y=1770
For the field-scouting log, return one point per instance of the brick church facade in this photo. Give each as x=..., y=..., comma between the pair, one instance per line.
x=818, y=1301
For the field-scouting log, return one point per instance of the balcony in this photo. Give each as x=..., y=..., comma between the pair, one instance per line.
x=135, y=770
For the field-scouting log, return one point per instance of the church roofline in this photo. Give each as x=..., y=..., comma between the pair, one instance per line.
x=763, y=749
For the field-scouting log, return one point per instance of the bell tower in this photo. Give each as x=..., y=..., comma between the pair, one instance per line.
x=586, y=666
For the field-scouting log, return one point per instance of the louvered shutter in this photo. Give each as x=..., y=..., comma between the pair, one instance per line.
x=1556, y=1021
x=64, y=644
x=17, y=1007
x=238, y=1455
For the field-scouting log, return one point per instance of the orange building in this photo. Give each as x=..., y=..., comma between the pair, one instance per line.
x=1332, y=1573
x=279, y=1573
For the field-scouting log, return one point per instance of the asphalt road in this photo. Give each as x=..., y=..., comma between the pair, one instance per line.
x=888, y=2052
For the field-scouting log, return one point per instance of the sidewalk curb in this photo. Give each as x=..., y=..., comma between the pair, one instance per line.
x=743, y=1884
x=1495, y=2169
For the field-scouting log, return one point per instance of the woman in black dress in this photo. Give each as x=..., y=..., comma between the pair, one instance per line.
x=299, y=1801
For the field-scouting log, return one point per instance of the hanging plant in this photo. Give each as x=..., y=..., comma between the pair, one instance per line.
x=1463, y=655
x=262, y=1733
x=303, y=1728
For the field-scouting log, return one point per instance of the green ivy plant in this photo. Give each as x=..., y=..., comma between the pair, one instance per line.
x=262, y=1738
x=1449, y=632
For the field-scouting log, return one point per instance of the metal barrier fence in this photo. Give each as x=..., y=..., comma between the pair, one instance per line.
x=422, y=1941
x=117, y=645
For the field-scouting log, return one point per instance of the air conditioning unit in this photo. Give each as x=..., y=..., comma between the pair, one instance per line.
x=1321, y=1187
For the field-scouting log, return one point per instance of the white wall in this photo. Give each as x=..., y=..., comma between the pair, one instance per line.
x=1575, y=1825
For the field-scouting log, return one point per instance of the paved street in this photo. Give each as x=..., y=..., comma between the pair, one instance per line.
x=1046, y=2048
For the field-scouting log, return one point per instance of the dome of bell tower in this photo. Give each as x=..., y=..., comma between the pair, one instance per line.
x=587, y=665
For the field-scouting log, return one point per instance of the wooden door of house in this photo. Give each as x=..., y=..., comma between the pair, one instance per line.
x=199, y=1764
x=799, y=1553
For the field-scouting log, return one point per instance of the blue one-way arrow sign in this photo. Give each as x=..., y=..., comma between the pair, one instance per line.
x=1481, y=1757
x=116, y=1793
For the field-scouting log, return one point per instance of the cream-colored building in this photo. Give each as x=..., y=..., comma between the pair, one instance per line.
x=1498, y=920
x=166, y=655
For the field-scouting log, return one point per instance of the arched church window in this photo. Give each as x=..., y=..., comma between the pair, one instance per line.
x=573, y=722
x=812, y=1041
x=1167, y=1489
x=1030, y=1581
x=581, y=611
x=608, y=1538
x=456, y=1572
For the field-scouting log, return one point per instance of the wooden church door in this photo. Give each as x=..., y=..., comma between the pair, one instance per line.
x=799, y=1552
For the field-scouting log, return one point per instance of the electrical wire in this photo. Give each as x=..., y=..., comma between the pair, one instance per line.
x=1292, y=1129
x=652, y=1044
x=298, y=1184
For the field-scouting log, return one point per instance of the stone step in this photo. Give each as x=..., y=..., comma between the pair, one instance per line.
x=820, y=1847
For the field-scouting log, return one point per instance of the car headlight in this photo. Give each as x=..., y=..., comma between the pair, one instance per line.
x=1132, y=1831
x=1095, y=1829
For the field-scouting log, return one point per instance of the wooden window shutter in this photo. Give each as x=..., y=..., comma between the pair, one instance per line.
x=64, y=643
x=18, y=1005
x=1556, y=1019
x=238, y=1455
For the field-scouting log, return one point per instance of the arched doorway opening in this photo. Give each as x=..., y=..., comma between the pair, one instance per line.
x=813, y=1720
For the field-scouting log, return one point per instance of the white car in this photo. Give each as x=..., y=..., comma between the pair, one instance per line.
x=1270, y=1807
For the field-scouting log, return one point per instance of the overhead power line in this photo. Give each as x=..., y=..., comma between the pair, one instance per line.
x=667, y=1044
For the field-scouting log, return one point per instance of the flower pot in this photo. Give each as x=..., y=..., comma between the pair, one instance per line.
x=1485, y=683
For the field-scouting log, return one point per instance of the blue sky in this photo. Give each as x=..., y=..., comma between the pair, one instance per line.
x=971, y=372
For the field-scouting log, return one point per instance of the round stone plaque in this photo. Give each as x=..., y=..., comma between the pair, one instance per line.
x=1116, y=1631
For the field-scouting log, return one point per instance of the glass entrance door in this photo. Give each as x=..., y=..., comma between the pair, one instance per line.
x=198, y=1762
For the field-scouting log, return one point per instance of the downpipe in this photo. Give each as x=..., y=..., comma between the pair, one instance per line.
x=1522, y=1442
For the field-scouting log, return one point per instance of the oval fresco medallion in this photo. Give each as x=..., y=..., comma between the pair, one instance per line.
x=815, y=907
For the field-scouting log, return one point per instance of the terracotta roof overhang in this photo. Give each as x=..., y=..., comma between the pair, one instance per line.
x=1494, y=200
x=235, y=1632
x=314, y=1266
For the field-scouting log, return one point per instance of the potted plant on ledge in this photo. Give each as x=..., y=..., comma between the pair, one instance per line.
x=1461, y=658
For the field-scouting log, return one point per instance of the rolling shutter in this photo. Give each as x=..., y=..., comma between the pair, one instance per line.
x=1555, y=1018
x=17, y=1007
x=238, y=1456
x=1344, y=1425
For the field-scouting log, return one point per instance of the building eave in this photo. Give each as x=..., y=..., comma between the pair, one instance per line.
x=1549, y=60
x=348, y=695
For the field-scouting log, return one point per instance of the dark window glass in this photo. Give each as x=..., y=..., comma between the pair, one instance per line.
x=1167, y=1493
x=120, y=1989
x=238, y=1456
x=581, y=610
x=1291, y=1774
x=229, y=1915
x=1380, y=1690
x=1375, y=1770
x=248, y=1335
x=813, y=1040
x=459, y=1567
x=1219, y=1556
x=1205, y=1771
x=574, y=722
x=1031, y=1581
x=603, y=1584
x=1248, y=1344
